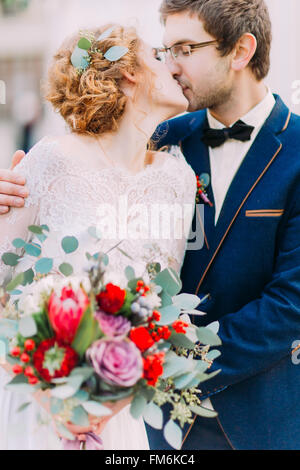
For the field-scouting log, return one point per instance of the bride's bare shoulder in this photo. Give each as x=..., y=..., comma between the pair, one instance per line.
x=158, y=157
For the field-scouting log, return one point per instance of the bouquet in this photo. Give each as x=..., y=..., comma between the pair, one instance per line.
x=89, y=341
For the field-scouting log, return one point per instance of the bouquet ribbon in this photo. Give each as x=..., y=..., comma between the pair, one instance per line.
x=93, y=442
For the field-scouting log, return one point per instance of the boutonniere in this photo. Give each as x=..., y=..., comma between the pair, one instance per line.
x=202, y=182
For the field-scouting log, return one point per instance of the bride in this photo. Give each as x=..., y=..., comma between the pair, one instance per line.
x=112, y=103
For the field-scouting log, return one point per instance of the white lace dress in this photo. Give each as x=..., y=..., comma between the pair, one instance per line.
x=70, y=197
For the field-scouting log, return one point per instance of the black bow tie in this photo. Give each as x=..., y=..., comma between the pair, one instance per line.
x=216, y=137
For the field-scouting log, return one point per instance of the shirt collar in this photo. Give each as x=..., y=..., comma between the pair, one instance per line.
x=255, y=117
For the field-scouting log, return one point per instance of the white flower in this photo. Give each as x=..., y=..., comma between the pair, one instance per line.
x=153, y=301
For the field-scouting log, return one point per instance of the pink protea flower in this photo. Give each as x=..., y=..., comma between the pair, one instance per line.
x=65, y=312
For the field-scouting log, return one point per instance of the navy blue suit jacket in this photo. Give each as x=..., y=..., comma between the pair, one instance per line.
x=250, y=266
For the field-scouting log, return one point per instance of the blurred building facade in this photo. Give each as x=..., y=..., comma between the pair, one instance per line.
x=31, y=31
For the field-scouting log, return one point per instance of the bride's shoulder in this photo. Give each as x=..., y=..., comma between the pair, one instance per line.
x=171, y=155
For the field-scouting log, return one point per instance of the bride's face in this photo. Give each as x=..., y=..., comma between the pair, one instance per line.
x=164, y=91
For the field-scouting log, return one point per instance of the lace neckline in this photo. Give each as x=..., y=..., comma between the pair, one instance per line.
x=112, y=169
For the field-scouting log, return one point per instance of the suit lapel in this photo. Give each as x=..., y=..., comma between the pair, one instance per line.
x=197, y=155
x=260, y=157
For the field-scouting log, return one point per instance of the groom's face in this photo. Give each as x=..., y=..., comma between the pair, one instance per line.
x=205, y=77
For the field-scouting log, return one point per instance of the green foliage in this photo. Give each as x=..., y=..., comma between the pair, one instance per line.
x=88, y=331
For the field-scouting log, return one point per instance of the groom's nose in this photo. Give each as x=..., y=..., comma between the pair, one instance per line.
x=174, y=67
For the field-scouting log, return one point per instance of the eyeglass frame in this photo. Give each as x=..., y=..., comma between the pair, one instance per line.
x=191, y=46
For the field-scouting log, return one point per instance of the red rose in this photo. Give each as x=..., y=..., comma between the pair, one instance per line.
x=112, y=299
x=54, y=359
x=153, y=368
x=141, y=338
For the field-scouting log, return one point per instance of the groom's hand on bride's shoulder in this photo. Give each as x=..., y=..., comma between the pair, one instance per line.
x=12, y=186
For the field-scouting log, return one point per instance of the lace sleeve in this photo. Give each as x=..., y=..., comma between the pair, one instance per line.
x=15, y=224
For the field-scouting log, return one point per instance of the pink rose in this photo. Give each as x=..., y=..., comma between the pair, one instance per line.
x=65, y=312
x=116, y=361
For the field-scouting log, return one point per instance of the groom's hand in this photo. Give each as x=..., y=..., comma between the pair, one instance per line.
x=12, y=186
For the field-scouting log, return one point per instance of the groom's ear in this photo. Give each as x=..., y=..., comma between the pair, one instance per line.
x=244, y=51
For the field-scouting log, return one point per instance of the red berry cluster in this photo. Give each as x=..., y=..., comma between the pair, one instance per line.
x=157, y=333
x=142, y=288
x=24, y=357
x=153, y=367
x=180, y=326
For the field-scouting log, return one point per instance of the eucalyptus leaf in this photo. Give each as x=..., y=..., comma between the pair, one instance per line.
x=79, y=58
x=204, y=412
x=153, y=416
x=67, y=390
x=169, y=280
x=69, y=244
x=96, y=409
x=44, y=265
x=27, y=327
x=66, y=269
x=183, y=380
x=81, y=396
x=56, y=405
x=168, y=315
x=165, y=298
x=28, y=277
x=84, y=43
x=173, y=434
x=115, y=53
x=8, y=328
x=186, y=301
x=33, y=249
x=129, y=273
x=138, y=406
x=106, y=34
x=19, y=243
x=19, y=384
x=207, y=337
x=212, y=355
x=179, y=340
x=176, y=365
x=79, y=416
x=10, y=259
x=37, y=229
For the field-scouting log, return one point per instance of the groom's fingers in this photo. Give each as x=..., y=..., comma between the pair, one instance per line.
x=17, y=158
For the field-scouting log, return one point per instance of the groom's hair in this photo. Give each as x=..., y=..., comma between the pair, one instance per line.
x=227, y=21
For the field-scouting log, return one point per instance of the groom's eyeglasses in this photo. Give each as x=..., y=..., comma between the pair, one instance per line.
x=180, y=50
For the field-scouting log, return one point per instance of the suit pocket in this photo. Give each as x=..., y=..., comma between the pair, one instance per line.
x=264, y=213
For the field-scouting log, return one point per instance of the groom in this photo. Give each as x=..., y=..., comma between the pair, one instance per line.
x=247, y=144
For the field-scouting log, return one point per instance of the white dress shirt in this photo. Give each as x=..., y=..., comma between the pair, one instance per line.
x=226, y=159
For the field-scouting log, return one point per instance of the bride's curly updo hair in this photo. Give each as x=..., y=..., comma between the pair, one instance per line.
x=93, y=102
